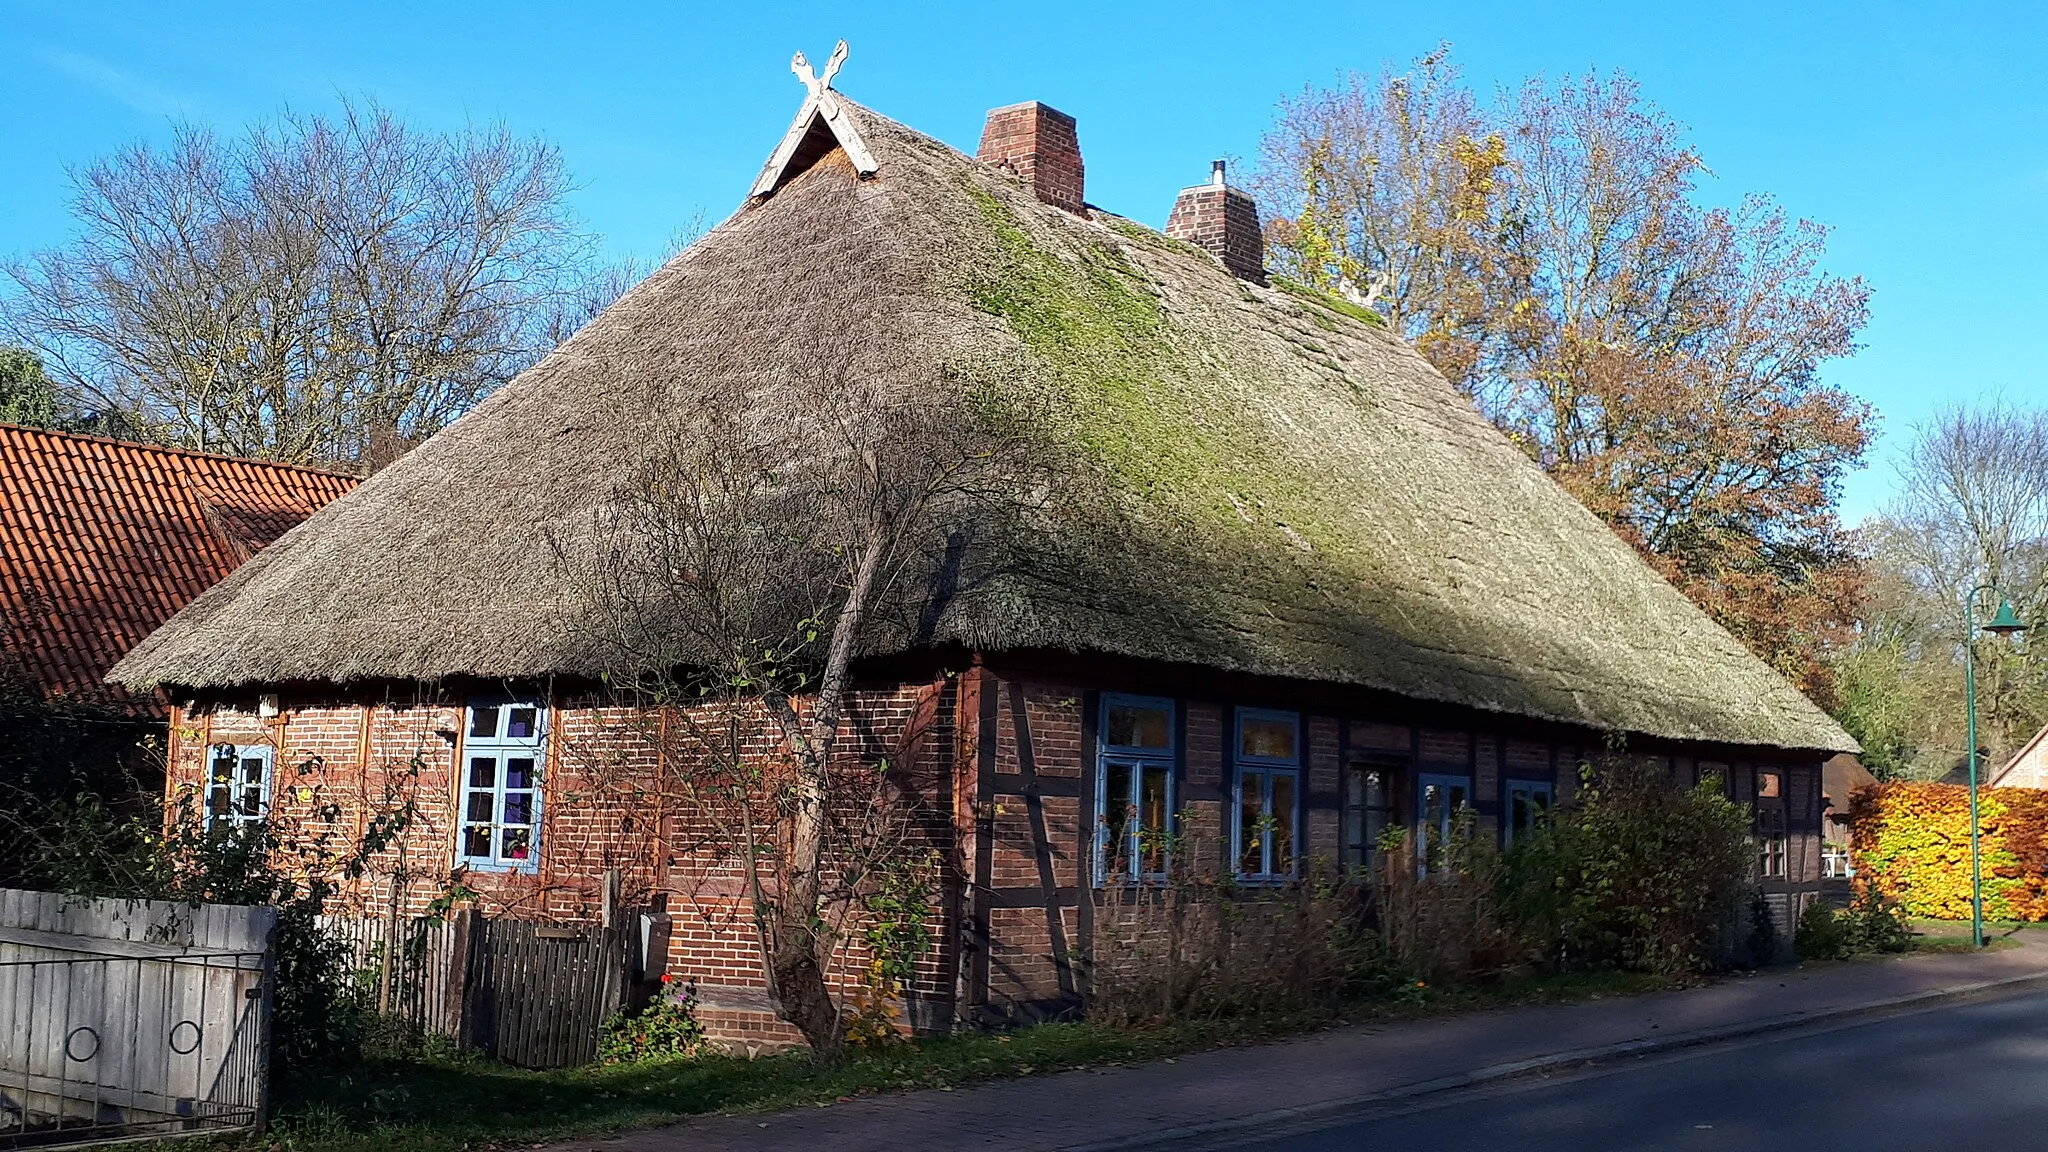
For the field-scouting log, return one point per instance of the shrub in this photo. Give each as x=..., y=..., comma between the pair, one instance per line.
x=1869, y=924
x=1443, y=922
x=168, y=852
x=897, y=932
x=1872, y=923
x=665, y=1029
x=1204, y=946
x=1821, y=934
x=1912, y=843
x=1639, y=874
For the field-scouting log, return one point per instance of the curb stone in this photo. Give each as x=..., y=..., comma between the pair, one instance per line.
x=1534, y=1065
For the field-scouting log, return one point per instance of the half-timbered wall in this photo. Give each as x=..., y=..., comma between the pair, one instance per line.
x=998, y=758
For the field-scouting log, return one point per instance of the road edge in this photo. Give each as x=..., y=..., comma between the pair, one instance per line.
x=1581, y=1057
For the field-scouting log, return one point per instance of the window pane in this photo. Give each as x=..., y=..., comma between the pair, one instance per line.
x=1767, y=784
x=1283, y=823
x=519, y=772
x=1268, y=738
x=219, y=801
x=1436, y=820
x=1152, y=806
x=480, y=807
x=1376, y=822
x=1135, y=727
x=483, y=772
x=1355, y=791
x=252, y=769
x=483, y=720
x=517, y=841
x=1251, y=823
x=223, y=766
x=1116, y=818
x=476, y=842
x=519, y=726
x=518, y=807
x=252, y=802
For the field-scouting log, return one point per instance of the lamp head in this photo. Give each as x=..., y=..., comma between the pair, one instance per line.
x=2006, y=622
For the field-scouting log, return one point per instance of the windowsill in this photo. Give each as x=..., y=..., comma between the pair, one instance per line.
x=1159, y=880
x=505, y=869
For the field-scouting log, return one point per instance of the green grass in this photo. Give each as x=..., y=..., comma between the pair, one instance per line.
x=1945, y=944
x=446, y=1100
x=1953, y=936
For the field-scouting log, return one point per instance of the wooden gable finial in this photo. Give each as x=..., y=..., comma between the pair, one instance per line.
x=821, y=105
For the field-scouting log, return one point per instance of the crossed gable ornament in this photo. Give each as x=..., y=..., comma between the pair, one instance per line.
x=820, y=104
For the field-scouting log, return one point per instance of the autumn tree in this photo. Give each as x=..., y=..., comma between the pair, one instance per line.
x=305, y=290
x=761, y=548
x=1548, y=252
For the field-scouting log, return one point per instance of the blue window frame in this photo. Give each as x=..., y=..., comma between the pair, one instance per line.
x=1529, y=803
x=1134, y=788
x=1442, y=801
x=1266, y=793
x=504, y=749
x=238, y=781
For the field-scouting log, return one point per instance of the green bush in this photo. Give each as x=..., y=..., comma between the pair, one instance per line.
x=1639, y=874
x=1870, y=924
x=1821, y=934
x=168, y=852
x=664, y=1030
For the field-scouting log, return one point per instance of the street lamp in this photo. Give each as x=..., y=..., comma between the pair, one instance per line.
x=2003, y=624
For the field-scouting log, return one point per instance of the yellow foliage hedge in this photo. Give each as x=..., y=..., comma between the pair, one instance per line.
x=1913, y=842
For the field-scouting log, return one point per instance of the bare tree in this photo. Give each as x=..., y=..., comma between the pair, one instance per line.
x=766, y=545
x=306, y=289
x=602, y=284
x=1972, y=510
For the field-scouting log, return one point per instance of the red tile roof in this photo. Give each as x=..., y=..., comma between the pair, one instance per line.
x=101, y=540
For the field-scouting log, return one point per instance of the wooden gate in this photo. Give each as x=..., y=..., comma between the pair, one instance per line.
x=537, y=994
x=125, y=1019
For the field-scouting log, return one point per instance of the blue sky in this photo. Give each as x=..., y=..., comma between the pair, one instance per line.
x=1919, y=132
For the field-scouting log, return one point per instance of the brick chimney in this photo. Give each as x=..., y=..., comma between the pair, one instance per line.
x=1039, y=144
x=1223, y=220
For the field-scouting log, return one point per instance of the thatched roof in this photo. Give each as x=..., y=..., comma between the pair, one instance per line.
x=1294, y=491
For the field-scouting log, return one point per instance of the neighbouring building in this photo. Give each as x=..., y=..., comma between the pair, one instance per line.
x=2028, y=767
x=1841, y=777
x=1326, y=595
x=101, y=541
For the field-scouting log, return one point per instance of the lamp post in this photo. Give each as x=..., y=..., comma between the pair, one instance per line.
x=2003, y=624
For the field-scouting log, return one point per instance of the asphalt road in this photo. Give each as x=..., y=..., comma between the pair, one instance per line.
x=1963, y=1077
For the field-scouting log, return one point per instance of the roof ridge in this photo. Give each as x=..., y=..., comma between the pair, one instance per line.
x=174, y=450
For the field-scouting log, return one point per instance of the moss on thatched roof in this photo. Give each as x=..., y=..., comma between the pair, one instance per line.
x=1288, y=488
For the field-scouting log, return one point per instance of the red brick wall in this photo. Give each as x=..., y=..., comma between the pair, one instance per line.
x=1225, y=222
x=613, y=797
x=1042, y=146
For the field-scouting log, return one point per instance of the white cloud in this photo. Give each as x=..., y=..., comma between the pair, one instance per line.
x=135, y=92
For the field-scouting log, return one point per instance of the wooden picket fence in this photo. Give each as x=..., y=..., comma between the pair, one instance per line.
x=421, y=988
x=531, y=994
